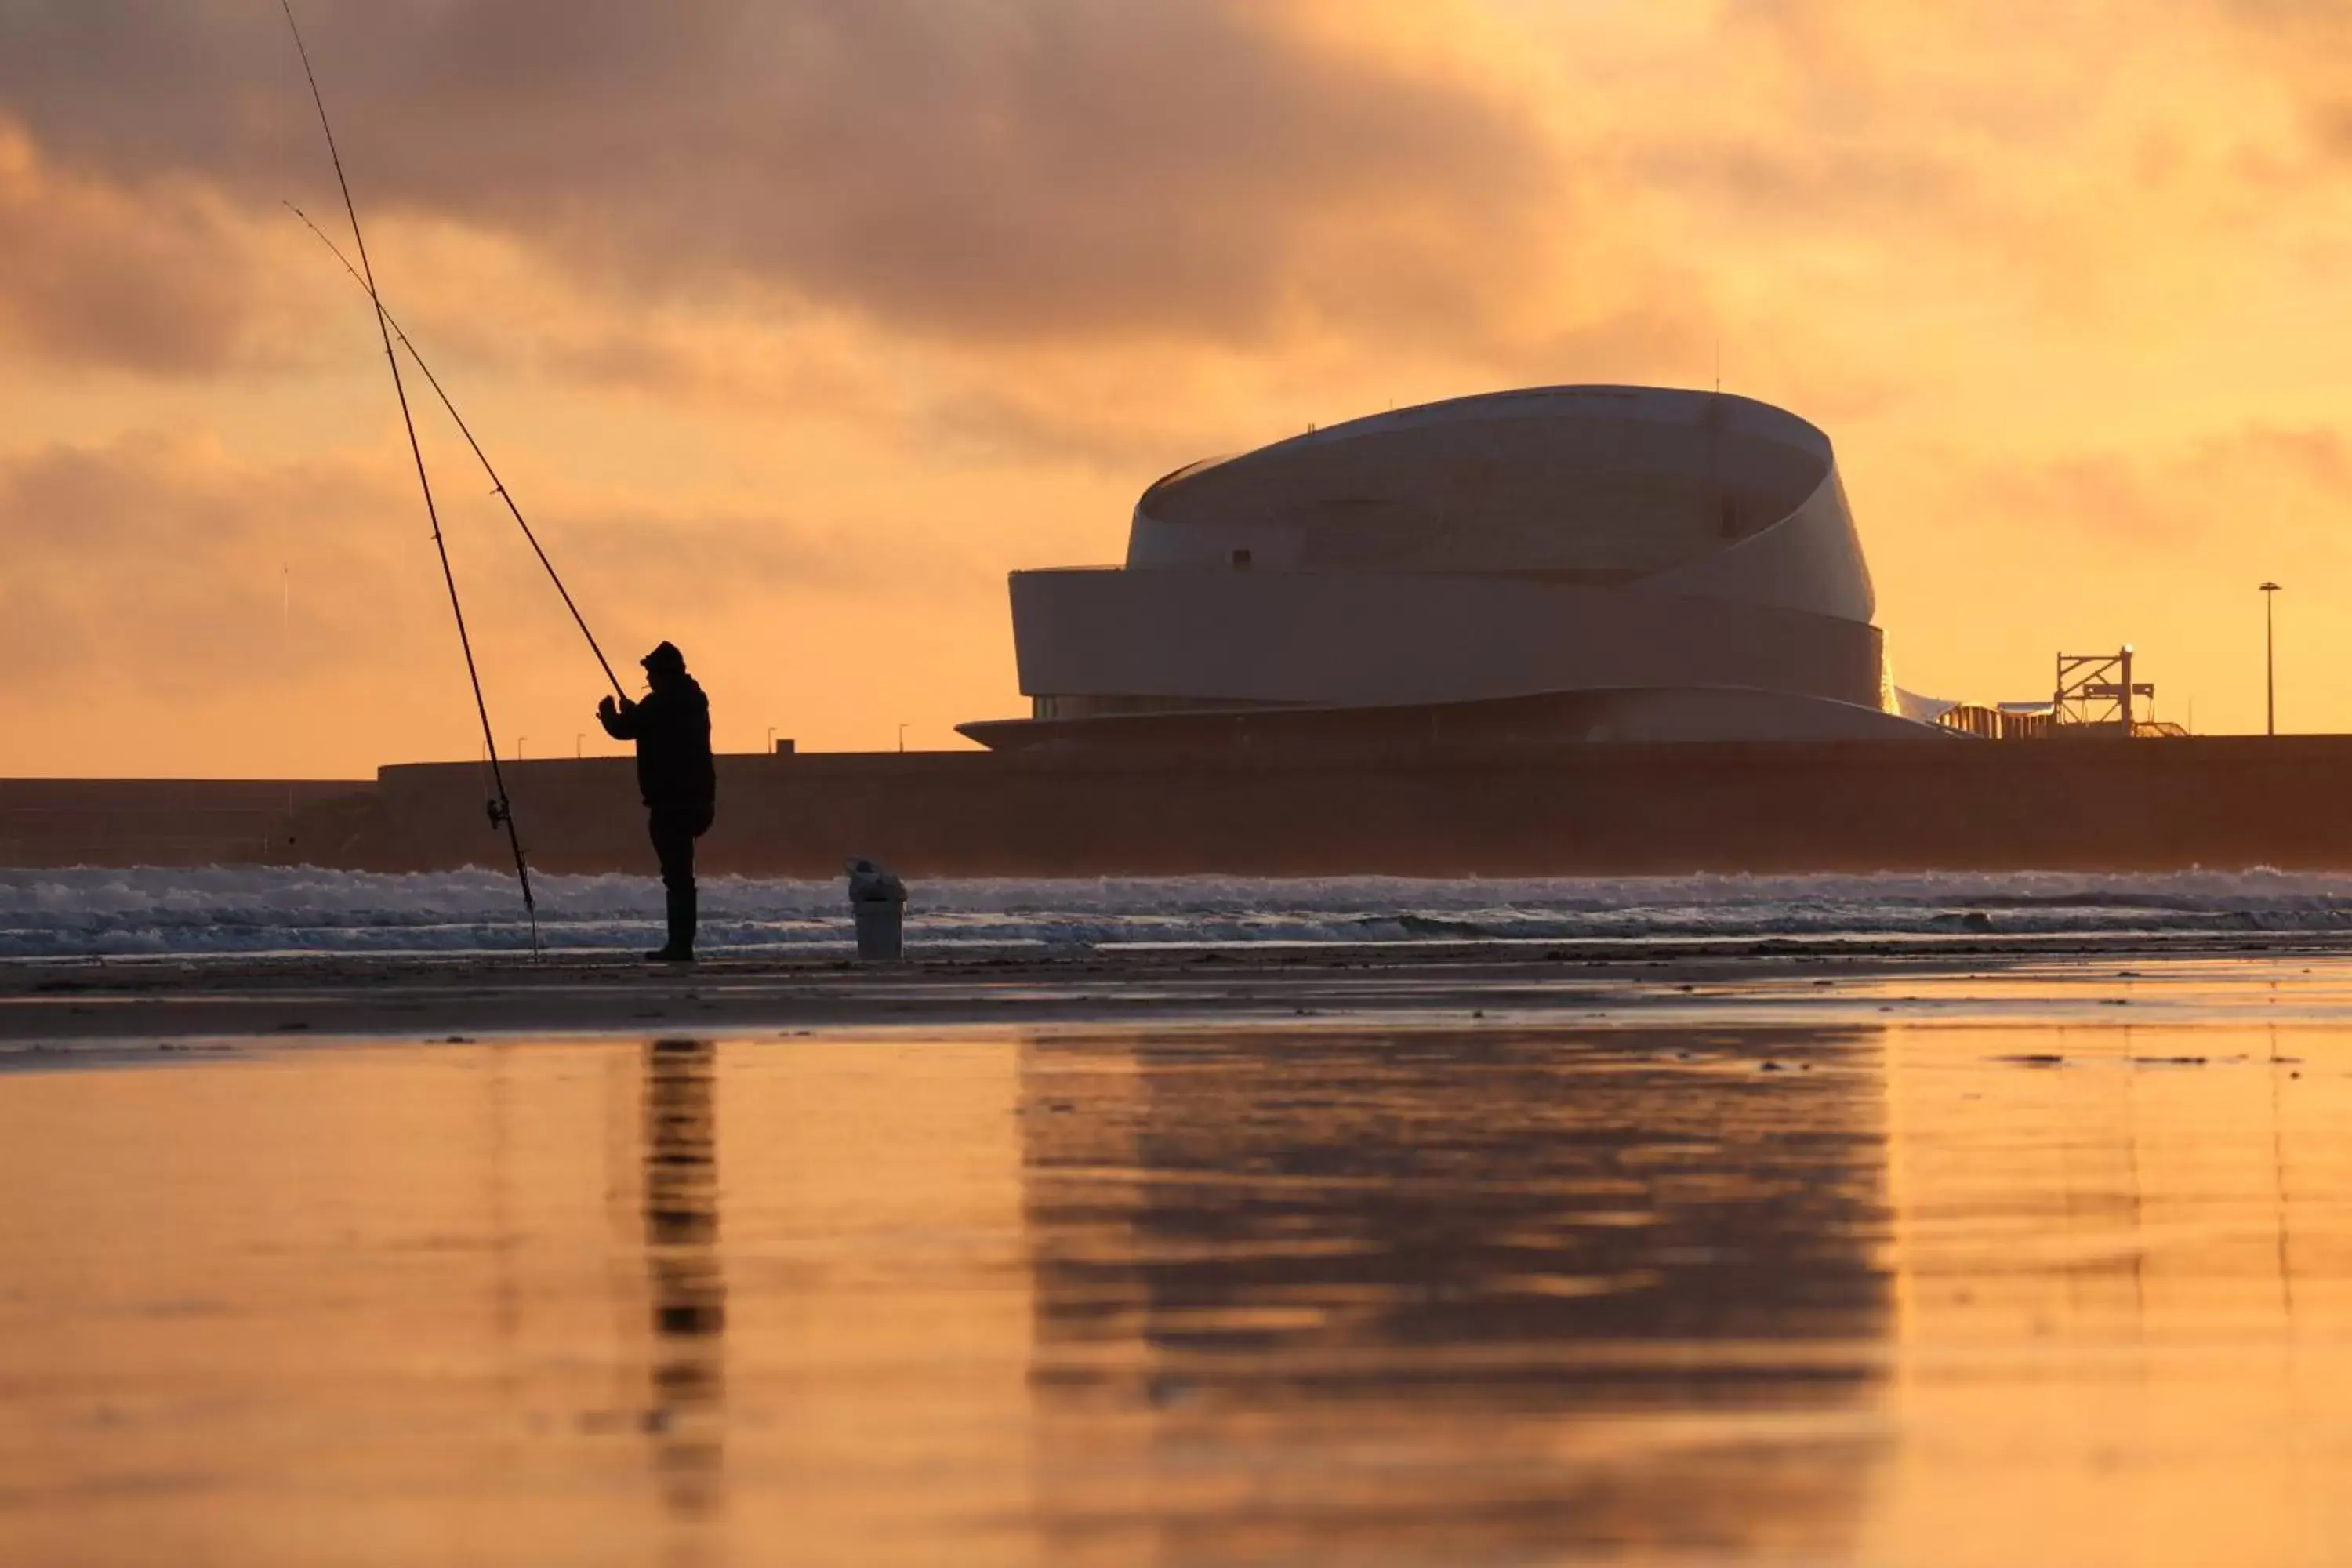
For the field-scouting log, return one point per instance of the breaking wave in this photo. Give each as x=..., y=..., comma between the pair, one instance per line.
x=244, y=910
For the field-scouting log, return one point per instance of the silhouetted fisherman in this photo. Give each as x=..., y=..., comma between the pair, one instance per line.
x=675, y=775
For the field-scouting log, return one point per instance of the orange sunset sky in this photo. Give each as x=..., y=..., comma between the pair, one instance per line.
x=795, y=325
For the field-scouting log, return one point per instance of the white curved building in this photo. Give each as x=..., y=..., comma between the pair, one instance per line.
x=1572, y=562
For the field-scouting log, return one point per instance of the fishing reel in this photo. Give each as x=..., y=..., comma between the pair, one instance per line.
x=501, y=813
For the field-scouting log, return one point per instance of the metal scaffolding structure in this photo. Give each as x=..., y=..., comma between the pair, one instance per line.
x=2096, y=693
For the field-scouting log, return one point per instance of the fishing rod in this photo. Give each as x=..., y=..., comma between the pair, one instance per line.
x=501, y=808
x=498, y=486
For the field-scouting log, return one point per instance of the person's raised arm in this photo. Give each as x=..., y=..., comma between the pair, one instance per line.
x=620, y=722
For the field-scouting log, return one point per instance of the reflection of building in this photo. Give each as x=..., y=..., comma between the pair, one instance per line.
x=1457, y=1296
x=1608, y=563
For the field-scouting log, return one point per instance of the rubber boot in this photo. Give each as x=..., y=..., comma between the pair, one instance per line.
x=680, y=949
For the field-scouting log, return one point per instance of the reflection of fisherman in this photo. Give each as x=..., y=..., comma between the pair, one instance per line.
x=687, y=1283
x=672, y=730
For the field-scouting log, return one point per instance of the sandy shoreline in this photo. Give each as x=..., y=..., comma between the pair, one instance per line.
x=1890, y=1257
x=93, y=1003
x=1889, y=1251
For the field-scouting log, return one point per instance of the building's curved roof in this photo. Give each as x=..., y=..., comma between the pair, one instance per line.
x=1684, y=560
x=1690, y=492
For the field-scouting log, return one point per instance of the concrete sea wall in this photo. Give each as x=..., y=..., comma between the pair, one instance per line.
x=2226, y=802
x=2143, y=805
x=159, y=822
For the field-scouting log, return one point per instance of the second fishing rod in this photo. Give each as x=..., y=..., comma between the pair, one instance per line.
x=498, y=484
x=502, y=807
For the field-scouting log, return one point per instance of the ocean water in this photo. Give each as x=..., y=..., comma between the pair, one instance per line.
x=246, y=910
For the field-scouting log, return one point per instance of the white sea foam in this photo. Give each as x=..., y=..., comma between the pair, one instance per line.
x=248, y=911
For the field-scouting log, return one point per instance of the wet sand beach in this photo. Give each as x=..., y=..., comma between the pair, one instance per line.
x=1912, y=1255
x=145, y=1004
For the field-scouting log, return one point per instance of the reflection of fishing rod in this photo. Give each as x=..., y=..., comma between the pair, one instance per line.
x=498, y=486
x=501, y=809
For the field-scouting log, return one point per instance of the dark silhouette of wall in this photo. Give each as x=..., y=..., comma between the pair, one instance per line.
x=163, y=822
x=1854, y=806
x=2089, y=805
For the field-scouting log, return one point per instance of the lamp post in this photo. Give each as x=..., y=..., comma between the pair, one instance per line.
x=902, y=737
x=771, y=747
x=2269, y=660
x=579, y=745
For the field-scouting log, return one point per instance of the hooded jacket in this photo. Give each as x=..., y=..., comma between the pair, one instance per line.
x=672, y=730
